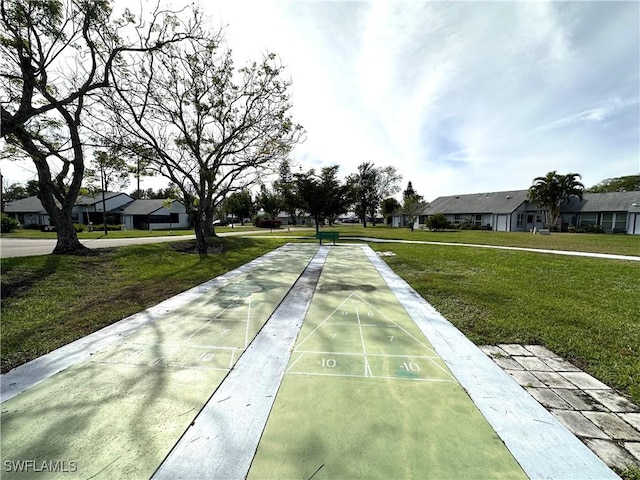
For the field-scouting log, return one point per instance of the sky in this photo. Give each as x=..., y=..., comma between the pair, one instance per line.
x=461, y=97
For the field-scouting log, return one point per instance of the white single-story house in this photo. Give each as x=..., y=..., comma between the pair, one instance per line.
x=153, y=215
x=120, y=208
x=27, y=211
x=285, y=219
x=88, y=208
x=511, y=211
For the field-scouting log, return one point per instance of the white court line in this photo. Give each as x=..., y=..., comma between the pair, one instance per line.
x=296, y=361
x=368, y=325
x=231, y=360
x=325, y=320
x=180, y=345
x=367, y=368
x=381, y=355
x=347, y=375
x=208, y=322
x=246, y=332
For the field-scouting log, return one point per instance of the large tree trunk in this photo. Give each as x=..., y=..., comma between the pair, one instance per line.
x=60, y=215
x=204, y=229
x=68, y=243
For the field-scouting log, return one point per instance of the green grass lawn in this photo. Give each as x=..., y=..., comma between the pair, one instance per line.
x=582, y=308
x=619, y=244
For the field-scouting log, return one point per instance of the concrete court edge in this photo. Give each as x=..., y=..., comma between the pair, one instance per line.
x=539, y=442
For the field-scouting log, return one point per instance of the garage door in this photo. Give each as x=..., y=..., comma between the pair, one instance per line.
x=501, y=224
x=636, y=230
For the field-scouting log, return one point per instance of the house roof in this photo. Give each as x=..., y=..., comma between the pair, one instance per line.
x=603, y=202
x=97, y=198
x=495, y=202
x=25, y=205
x=507, y=202
x=148, y=206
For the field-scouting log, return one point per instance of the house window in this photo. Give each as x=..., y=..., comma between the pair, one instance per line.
x=620, y=222
x=174, y=218
x=607, y=221
x=520, y=220
x=456, y=218
x=589, y=219
x=478, y=220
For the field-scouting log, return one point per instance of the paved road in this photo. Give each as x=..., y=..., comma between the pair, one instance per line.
x=22, y=247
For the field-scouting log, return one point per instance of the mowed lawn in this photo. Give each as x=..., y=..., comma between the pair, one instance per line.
x=585, y=309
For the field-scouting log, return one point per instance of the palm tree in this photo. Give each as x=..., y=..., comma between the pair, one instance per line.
x=553, y=190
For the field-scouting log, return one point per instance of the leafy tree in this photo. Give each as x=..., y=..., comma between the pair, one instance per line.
x=8, y=224
x=212, y=129
x=629, y=183
x=409, y=192
x=168, y=203
x=270, y=201
x=285, y=185
x=239, y=204
x=550, y=192
x=45, y=103
x=370, y=185
x=17, y=191
x=169, y=192
x=389, y=206
x=437, y=222
x=109, y=169
x=322, y=196
x=412, y=205
x=337, y=196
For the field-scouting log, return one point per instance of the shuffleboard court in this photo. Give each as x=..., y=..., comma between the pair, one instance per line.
x=366, y=396
x=120, y=412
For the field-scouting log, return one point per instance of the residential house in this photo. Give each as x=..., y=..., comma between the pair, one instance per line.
x=89, y=208
x=154, y=215
x=27, y=211
x=511, y=211
x=502, y=211
x=120, y=208
x=617, y=212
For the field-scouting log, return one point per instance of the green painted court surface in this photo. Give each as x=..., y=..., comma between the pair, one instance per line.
x=118, y=414
x=366, y=396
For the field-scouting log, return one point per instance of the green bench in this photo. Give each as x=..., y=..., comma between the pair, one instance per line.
x=327, y=236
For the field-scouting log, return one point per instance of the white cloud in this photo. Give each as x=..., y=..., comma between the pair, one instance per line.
x=460, y=96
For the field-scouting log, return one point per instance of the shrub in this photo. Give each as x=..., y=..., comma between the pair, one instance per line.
x=585, y=229
x=264, y=221
x=110, y=228
x=78, y=227
x=8, y=224
x=437, y=222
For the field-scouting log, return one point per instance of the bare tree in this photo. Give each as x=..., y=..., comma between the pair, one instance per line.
x=55, y=56
x=213, y=130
